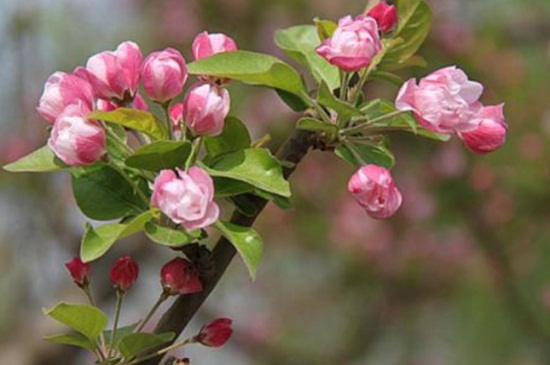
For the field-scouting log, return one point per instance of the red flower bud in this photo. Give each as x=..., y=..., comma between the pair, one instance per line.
x=124, y=273
x=215, y=333
x=179, y=276
x=385, y=15
x=80, y=272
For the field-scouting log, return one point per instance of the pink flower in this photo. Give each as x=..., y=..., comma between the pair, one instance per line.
x=80, y=272
x=186, y=197
x=205, y=108
x=444, y=101
x=179, y=276
x=490, y=134
x=373, y=188
x=176, y=115
x=353, y=45
x=164, y=74
x=124, y=273
x=215, y=333
x=107, y=106
x=60, y=90
x=115, y=75
x=206, y=45
x=385, y=15
x=76, y=140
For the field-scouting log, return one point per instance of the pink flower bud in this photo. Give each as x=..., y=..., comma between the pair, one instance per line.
x=373, y=188
x=215, y=333
x=164, y=74
x=176, y=115
x=385, y=15
x=124, y=273
x=80, y=272
x=205, y=108
x=138, y=103
x=206, y=45
x=353, y=45
x=76, y=140
x=490, y=134
x=444, y=101
x=179, y=276
x=115, y=75
x=186, y=197
x=60, y=90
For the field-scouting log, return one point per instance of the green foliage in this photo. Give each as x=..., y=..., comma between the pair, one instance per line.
x=72, y=339
x=104, y=194
x=225, y=187
x=40, y=160
x=96, y=242
x=234, y=137
x=136, y=343
x=120, y=333
x=325, y=28
x=138, y=120
x=315, y=125
x=247, y=241
x=85, y=319
x=299, y=42
x=359, y=154
x=251, y=68
x=160, y=155
x=171, y=237
x=255, y=166
x=327, y=98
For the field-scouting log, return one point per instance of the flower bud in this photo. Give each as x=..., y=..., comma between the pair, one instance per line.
x=373, y=188
x=385, y=16
x=176, y=115
x=490, y=134
x=164, y=74
x=80, y=272
x=138, y=103
x=205, y=108
x=179, y=276
x=205, y=45
x=215, y=333
x=124, y=273
x=353, y=45
x=76, y=140
x=115, y=75
x=444, y=101
x=62, y=89
x=186, y=197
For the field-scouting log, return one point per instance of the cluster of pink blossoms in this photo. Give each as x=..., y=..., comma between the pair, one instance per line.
x=443, y=102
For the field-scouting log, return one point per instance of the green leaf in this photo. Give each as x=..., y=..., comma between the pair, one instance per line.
x=103, y=194
x=72, y=339
x=315, y=125
x=40, y=160
x=246, y=205
x=255, y=166
x=234, y=137
x=137, y=343
x=294, y=102
x=251, y=68
x=160, y=155
x=327, y=98
x=170, y=237
x=379, y=107
x=120, y=333
x=299, y=42
x=358, y=154
x=96, y=242
x=414, y=21
x=280, y=201
x=387, y=76
x=224, y=187
x=138, y=120
x=325, y=28
x=247, y=241
x=85, y=319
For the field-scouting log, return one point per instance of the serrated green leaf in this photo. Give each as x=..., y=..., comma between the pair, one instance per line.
x=315, y=125
x=359, y=154
x=104, y=194
x=299, y=42
x=255, y=166
x=160, y=155
x=96, y=242
x=234, y=137
x=170, y=237
x=72, y=339
x=138, y=120
x=247, y=241
x=251, y=68
x=40, y=160
x=137, y=343
x=85, y=319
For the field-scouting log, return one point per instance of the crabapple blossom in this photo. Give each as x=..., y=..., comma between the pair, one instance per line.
x=490, y=134
x=205, y=108
x=164, y=74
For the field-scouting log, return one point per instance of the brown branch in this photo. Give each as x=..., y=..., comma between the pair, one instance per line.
x=176, y=318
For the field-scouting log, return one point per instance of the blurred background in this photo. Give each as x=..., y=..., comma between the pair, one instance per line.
x=460, y=276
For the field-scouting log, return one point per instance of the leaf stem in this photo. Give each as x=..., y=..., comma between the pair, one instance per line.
x=132, y=183
x=361, y=126
x=117, y=140
x=165, y=110
x=103, y=349
x=118, y=306
x=194, y=153
x=354, y=152
x=163, y=296
x=161, y=352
